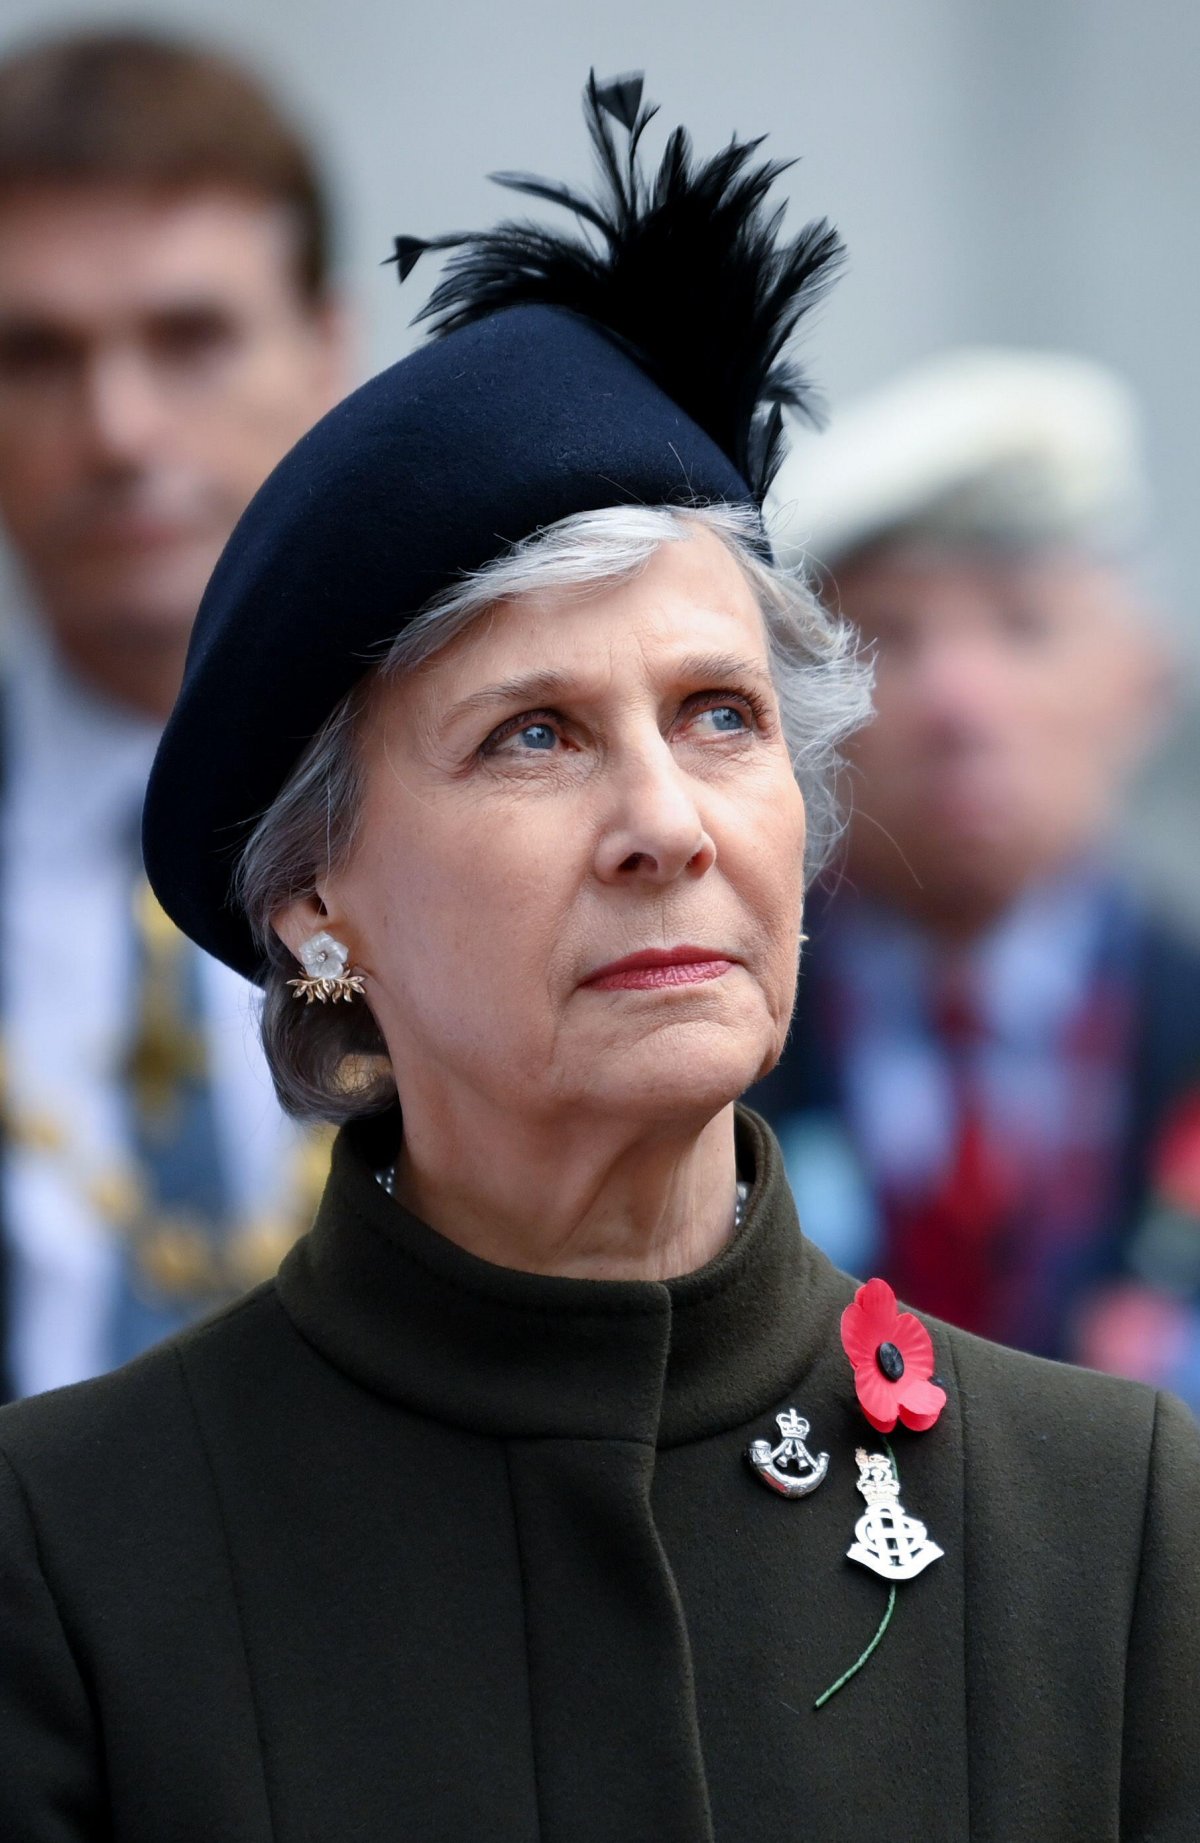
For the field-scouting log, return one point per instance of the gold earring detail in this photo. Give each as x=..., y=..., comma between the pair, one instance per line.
x=325, y=976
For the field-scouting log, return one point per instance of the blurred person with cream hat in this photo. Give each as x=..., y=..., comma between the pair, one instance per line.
x=996, y=1045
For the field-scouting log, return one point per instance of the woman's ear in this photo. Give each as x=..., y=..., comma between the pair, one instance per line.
x=296, y=922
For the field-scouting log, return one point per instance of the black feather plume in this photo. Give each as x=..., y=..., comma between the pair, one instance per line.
x=686, y=265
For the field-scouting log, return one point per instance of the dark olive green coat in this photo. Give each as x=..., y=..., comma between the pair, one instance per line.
x=405, y=1548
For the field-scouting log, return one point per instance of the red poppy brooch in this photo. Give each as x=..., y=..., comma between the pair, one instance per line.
x=891, y=1354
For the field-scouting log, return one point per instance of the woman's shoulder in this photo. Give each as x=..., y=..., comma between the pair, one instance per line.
x=101, y=1433
x=1038, y=1387
x=1088, y=1438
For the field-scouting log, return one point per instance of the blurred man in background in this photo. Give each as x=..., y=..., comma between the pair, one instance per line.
x=996, y=1047
x=167, y=331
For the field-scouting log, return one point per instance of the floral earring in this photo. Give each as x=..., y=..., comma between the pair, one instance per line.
x=325, y=976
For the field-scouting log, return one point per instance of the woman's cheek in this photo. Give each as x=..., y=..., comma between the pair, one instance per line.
x=781, y=826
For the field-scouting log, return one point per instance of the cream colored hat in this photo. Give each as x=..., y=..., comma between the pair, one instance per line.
x=978, y=444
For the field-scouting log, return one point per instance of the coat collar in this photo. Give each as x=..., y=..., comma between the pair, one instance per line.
x=414, y=1318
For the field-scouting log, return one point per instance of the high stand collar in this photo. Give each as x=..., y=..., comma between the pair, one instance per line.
x=413, y=1317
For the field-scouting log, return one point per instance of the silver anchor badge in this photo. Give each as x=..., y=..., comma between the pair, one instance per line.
x=771, y=1463
x=887, y=1540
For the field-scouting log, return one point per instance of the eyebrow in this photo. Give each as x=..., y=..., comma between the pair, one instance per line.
x=545, y=687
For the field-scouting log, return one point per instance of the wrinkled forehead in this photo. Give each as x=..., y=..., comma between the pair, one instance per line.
x=689, y=606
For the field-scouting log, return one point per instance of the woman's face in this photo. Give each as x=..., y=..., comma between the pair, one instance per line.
x=574, y=781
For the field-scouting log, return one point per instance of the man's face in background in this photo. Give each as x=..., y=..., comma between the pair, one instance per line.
x=157, y=357
x=1013, y=695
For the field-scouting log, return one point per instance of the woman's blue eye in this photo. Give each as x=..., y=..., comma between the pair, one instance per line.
x=518, y=738
x=538, y=736
x=726, y=718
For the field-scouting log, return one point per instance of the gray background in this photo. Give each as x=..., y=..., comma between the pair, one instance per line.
x=1013, y=170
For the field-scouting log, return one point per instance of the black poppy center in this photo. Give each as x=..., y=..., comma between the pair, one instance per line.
x=890, y=1362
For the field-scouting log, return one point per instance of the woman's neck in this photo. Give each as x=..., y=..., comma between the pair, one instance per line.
x=603, y=1204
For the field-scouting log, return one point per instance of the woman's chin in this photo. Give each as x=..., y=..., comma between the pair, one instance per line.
x=692, y=1072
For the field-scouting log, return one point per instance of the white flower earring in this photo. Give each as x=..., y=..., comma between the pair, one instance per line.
x=325, y=976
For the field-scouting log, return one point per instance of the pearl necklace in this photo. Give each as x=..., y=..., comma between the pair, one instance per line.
x=386, y=1179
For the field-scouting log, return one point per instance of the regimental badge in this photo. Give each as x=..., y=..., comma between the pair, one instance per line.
x=886, y=1539
x=788, y=1468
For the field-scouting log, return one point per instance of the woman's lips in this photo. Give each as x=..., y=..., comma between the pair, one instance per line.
x=658, y=968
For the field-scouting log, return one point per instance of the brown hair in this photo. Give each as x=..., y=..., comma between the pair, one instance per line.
x=136, y=108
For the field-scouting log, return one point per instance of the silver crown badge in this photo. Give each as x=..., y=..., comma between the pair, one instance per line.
x=788, y=1468
x=887, y=1540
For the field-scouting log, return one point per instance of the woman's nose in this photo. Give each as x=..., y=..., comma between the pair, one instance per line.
x=655, y=831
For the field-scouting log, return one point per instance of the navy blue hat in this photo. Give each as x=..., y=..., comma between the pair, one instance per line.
x=563, y=378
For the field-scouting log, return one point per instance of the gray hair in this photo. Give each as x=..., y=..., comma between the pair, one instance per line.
x=330, y=1062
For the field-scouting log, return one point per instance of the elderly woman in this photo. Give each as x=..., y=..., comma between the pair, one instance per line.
x=548, y=1492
